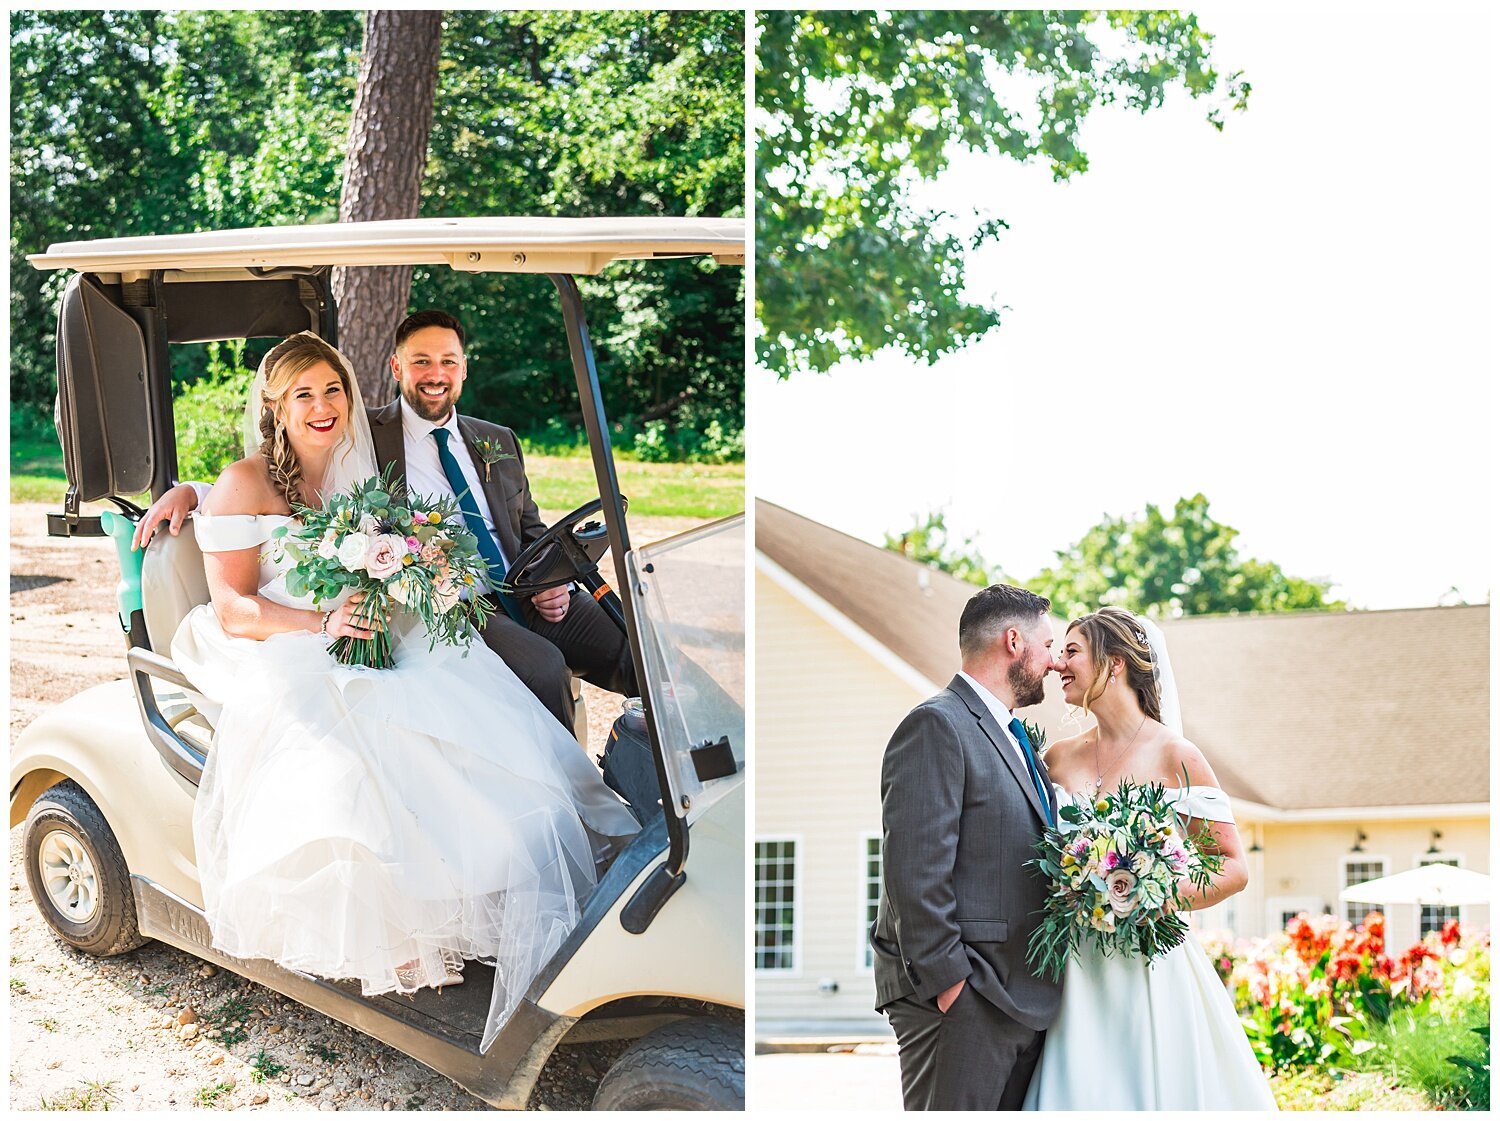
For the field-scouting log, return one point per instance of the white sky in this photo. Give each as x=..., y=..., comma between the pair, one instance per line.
x=1290, y=316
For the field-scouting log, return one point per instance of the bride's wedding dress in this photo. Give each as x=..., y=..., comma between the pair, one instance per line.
x=1164, y=1035
x=353, y=821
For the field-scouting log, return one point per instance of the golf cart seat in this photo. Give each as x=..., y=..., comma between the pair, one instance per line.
x=172, y=584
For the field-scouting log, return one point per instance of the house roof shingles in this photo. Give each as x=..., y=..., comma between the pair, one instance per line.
x=1297, y=711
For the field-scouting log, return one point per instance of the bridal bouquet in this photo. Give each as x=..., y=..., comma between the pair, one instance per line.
x=1112, y=866
x=395, y=548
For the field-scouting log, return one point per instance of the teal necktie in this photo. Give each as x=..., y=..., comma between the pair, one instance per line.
x=475, y=521
x=1018, y=730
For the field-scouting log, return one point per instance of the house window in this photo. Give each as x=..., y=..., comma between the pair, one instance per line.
x=1435, y=918
x=1358, y=870
x=871, y=871
x=776, y=905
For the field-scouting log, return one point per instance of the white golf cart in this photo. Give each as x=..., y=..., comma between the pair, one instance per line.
x=106, y=781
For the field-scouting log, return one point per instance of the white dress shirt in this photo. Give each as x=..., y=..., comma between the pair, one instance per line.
x=1002, y=714
x=424, y=470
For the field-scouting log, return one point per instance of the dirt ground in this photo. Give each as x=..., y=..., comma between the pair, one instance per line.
x=104, y=1033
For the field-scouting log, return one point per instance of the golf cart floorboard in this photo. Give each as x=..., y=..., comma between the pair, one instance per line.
x=457, y=1012
x=455, y=1015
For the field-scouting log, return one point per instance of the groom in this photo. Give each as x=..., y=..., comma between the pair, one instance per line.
x=436, y=451
x=963, y=799
x=559, y=628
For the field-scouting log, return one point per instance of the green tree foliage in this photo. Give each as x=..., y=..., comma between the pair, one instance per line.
x=1165, y=565
x=857, y=107
x=930, y=542
x=135, y=122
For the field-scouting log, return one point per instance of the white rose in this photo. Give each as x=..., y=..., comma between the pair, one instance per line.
x=446, y=595
x=328, y=548
x=401, y=590
x=368, y=525
x=384, y=554
x=352, y=551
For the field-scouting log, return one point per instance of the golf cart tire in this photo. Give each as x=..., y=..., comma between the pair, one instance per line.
x=112, y=929
x=688, y=1064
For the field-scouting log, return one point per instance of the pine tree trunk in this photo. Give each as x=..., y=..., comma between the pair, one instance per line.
x=383, y=179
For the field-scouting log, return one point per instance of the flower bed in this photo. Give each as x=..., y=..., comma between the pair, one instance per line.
x=1326, y=996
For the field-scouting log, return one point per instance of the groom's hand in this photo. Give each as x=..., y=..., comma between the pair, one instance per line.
x=552, y=604
x=946, y=998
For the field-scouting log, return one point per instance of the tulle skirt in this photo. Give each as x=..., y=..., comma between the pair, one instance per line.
x=1133, y=1036
x=351, y=822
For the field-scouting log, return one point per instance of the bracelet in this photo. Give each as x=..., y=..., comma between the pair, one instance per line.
x=323, y=630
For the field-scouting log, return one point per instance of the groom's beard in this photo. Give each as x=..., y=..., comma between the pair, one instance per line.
x=1028, y=689
x=434, y=409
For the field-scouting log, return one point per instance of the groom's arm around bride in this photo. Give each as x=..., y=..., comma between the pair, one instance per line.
x=963, y=800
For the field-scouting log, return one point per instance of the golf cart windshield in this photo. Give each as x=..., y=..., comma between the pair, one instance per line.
x=689, y=596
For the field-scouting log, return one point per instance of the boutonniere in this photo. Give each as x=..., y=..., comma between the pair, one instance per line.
x=491, y=453
x=1037, y=737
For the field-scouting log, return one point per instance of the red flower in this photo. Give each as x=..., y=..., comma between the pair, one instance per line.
x=1451, y=933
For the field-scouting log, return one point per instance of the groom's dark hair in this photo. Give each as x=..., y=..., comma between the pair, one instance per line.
x=432, y=317
x=989, y=613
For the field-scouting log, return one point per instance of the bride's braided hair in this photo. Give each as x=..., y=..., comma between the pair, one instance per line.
x=286, y=361
x=1113, y=631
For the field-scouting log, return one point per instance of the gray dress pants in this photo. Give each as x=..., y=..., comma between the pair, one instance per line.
x=974, y=1057
x=587, y=641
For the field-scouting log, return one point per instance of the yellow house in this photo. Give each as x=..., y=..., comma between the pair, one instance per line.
x=1354, y=745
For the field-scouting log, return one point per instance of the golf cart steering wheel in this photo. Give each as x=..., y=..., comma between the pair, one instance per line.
x=569, y=550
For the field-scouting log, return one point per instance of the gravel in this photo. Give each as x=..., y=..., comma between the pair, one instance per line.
x=158, y=1028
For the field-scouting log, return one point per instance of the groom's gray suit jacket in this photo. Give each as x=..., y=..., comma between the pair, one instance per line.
x=960, y=816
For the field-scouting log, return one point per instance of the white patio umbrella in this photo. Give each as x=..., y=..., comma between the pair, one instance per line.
x=1432, y=885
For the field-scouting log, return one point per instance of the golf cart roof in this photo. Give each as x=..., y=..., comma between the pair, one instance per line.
x=531, y=245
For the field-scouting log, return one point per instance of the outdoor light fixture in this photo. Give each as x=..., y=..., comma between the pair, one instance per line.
x=1255, y=840
x=1437, y=835
x=1359, y=841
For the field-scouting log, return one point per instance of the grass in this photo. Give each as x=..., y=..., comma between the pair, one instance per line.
x=36, y=466
x=1320, y=1089
x=90, y=1096
x=263, y=1067
x=1415, y=1048
x=46, y=1023
x=687, y=490
x=327, y=1054
x=208, y=1095
x=17, y=985
x=235, y=1009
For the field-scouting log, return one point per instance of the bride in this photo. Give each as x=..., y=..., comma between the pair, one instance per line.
x=1132, y=1035
x=372, y=825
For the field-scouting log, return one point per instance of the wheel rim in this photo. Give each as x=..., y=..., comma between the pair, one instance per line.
x=69, y=877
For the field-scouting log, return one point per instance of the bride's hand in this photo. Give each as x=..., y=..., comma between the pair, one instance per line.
x=347, y=621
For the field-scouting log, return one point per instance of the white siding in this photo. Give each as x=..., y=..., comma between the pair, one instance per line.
x=824, y=711
x=1306, y=862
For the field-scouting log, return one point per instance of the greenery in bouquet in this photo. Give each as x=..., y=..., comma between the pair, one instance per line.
x=1117, y=870
x=398, y=549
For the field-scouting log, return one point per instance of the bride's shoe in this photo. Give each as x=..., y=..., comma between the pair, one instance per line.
x=411, y=977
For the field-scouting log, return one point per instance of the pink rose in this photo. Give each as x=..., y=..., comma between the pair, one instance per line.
x=383, y=557
x=1118, y=886
x=413, y=545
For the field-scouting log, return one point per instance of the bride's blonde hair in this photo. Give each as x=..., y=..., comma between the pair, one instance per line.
x=1111, y=632
x=286, y=362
